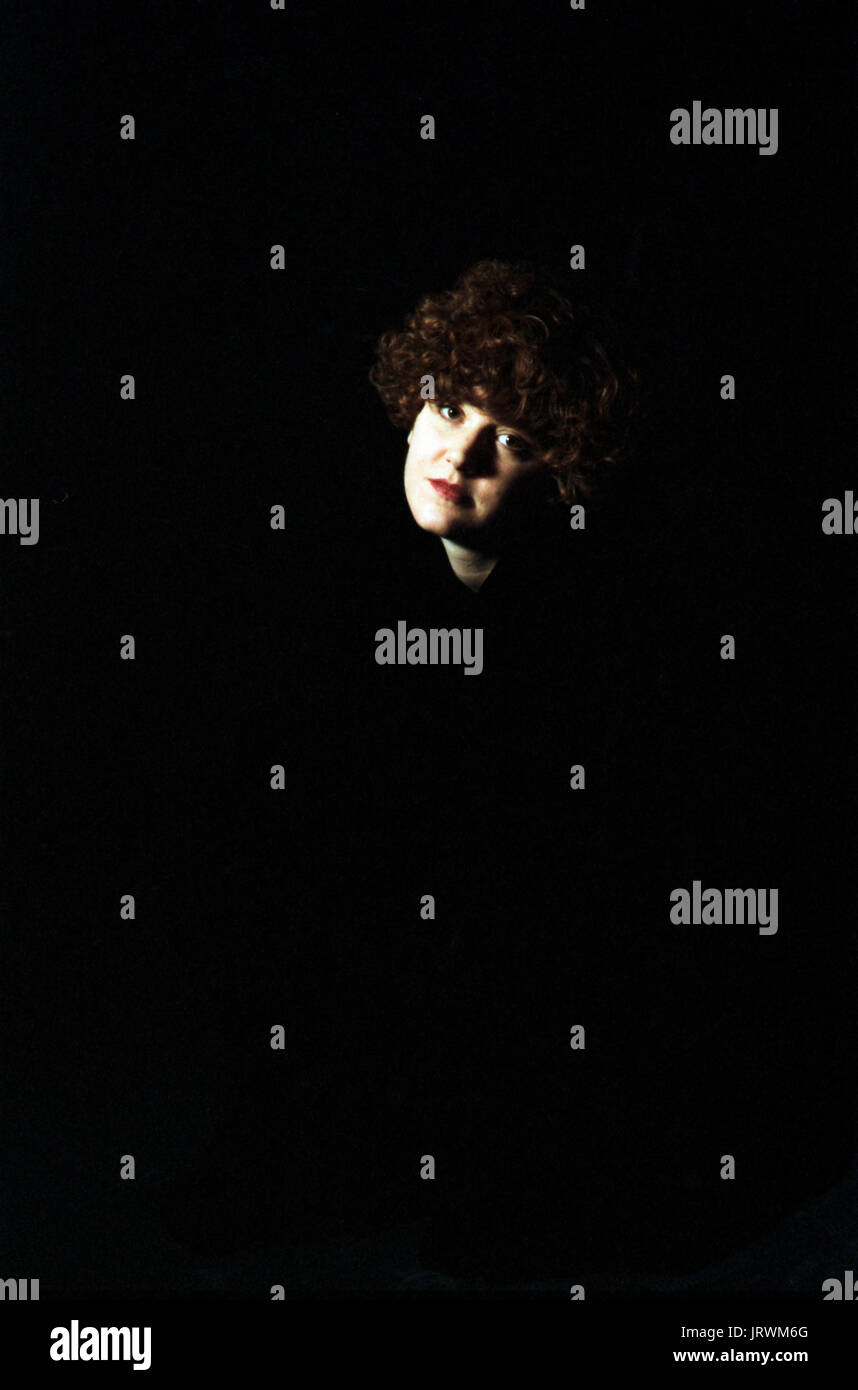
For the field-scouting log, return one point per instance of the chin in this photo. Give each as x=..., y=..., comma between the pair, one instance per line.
x=447, y=532
x=429, y=520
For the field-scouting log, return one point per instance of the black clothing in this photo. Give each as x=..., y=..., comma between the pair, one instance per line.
x=450, y=1036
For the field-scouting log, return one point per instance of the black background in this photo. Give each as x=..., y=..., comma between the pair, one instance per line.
x=255, y=647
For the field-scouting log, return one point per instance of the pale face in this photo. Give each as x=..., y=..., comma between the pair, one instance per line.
x=465, y=470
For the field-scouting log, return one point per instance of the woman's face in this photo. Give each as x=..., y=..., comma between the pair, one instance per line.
x=464, y=471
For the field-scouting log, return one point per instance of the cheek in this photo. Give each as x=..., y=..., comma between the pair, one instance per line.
x=422, y=450
x=411, y=466
x=413, y=477
x=498, y=488
x=428, y=436
x=504, y=490
x=523, y=479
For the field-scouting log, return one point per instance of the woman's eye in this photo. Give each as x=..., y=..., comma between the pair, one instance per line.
x=456, y=412
x=512, y=441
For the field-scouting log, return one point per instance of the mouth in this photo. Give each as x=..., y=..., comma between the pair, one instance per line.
x=449, y=491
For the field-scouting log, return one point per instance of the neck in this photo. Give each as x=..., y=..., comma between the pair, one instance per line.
x=472, y=567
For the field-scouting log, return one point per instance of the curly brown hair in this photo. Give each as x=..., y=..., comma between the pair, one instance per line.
x=508, y=339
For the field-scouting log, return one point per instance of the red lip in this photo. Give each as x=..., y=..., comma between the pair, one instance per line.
x=449, y=490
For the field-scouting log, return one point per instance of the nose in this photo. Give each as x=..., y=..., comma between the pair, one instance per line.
x=470, y=451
